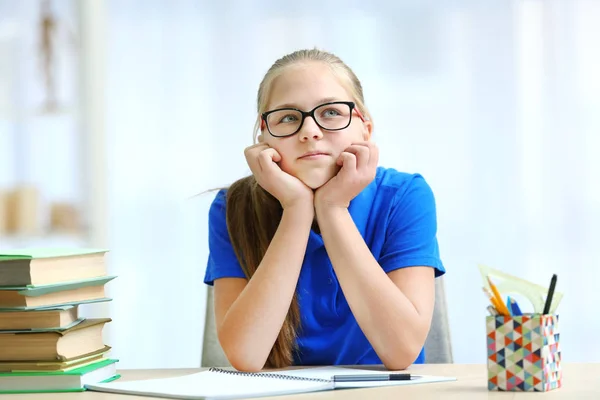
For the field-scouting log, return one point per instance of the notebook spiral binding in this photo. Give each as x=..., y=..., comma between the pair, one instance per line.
x=267, y=375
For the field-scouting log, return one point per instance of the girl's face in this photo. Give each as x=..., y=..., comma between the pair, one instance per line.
x=311, y=153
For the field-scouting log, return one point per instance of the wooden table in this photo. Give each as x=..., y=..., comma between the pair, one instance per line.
x=580, y=381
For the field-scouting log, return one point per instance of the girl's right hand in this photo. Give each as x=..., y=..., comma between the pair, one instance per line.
x=286, y=188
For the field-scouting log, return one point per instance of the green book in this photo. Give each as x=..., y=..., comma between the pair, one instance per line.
x=46, y=252
x=41, y=330
x=58, y=381
x=42, y=266
x=56, y=365
x=53, y=317
x=39, y=290
x=43, y=308
x=53, y=295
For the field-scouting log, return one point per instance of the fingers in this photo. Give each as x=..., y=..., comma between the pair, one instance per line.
x=260, y=157
x=373, y=155
x=367, y=154
x=251, y=154
x=347, y=161
x=252, y=151
x=361, y=152
x=267, y=159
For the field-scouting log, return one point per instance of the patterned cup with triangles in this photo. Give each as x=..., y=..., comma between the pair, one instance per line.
x=523, y=353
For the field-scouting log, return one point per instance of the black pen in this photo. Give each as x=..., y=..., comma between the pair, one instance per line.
x=374, y=377
x=550, y=295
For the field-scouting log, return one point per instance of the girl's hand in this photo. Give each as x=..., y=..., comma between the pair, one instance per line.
x=359, y=166
x=286, y=188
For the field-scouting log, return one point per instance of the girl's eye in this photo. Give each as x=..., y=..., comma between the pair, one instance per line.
x=288, y=118
x=331, y=112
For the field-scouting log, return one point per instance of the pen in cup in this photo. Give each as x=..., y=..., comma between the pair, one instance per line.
x=493, y=312
x=550, y=294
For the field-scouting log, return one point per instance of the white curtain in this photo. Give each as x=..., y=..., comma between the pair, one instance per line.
x=495, y=103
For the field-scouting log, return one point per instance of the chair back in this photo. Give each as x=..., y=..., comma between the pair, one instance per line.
x=438, y=348
x=212, y=353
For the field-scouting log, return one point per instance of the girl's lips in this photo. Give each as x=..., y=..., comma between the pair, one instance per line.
x=313, y=155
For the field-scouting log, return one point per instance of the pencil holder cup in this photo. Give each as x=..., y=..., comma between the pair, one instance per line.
x=523, y=353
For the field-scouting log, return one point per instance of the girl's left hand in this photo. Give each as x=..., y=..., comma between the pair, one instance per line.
x=359, y=166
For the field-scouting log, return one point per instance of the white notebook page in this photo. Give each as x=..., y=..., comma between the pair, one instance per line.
x=212, y=385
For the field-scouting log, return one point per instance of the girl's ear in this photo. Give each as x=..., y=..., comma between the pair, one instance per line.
x=260, y=138
x=368, y=130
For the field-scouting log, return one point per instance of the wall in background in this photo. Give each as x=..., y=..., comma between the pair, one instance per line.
x=496, y=105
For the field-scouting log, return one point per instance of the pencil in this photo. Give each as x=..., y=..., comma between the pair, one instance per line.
x=515, y=307
x=492, y=299
x=502, y=308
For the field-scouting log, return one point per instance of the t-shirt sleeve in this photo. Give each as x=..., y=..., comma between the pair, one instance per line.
x=222, y=262
x=412, y=228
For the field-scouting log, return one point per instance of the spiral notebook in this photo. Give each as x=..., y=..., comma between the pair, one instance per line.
x=222, y=384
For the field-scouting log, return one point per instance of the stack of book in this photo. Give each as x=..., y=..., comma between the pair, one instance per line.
x=45, y=344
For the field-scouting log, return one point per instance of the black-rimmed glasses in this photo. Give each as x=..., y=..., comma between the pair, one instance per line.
x=333, y=116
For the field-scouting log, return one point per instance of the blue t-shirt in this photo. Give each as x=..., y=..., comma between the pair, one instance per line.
x=396, y=216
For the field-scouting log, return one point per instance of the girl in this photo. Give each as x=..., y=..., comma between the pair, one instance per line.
x=321, y=257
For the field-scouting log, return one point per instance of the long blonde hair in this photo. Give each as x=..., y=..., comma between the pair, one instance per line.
x=253, y=214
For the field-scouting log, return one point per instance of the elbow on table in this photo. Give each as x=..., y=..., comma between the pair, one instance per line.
x=240, y=359
x=397, y=365
x=401, y=360
x=246, y=365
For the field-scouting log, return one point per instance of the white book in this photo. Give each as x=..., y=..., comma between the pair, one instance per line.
x=222, y=384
